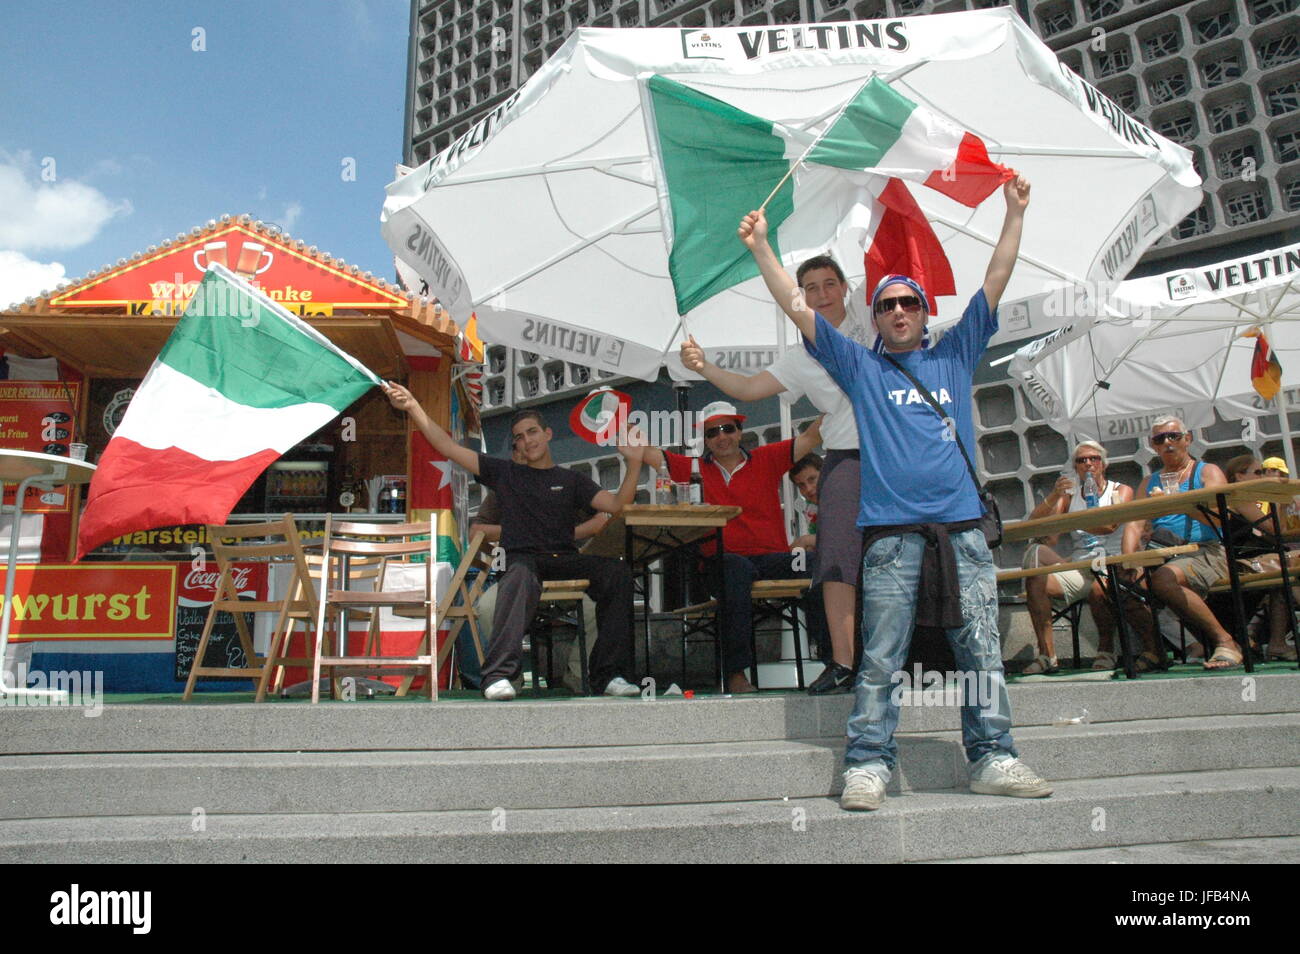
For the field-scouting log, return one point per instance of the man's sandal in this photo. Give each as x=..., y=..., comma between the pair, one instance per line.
x=1105, y=661
x=1226, y=656
x=1041, y=666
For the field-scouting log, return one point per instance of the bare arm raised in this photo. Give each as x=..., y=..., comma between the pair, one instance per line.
x=787, y=294
x=1003, y=260
x=742, y=387
x=442, y=442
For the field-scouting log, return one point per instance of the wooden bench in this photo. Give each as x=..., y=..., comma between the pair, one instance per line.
x=779, y=596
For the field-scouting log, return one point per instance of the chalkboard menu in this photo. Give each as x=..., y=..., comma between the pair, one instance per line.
x=195, y=594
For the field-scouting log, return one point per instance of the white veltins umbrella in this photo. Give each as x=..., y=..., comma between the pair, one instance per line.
x=545, y=217
x=1172, y=345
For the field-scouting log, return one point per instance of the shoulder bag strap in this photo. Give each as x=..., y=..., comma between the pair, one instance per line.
x=929, y=399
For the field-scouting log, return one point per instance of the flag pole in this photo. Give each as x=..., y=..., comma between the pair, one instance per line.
x=811, y=146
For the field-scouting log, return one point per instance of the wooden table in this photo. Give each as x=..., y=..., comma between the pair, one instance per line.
x=26, y=469
x=1213, y=503
x=644, y=533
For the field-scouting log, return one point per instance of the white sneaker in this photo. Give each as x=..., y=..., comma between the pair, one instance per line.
x=863, y=791
x=499, y=691
x=618, y=686
x=1005, y=775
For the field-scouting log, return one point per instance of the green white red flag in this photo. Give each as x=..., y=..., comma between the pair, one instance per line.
x=716, y=163
x=238, y=383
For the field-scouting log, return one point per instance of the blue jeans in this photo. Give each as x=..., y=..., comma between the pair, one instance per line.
x=891, y=569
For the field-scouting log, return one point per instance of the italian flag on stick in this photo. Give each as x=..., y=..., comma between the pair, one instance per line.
x=716, y=162
x=239, y=382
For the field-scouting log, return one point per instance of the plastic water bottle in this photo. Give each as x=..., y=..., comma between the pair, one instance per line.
x=1090, y=499
x=1090, y=493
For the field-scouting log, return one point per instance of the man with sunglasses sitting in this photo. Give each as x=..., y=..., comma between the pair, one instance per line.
x=1056, y=591
x=755, y=542
x=1182, y=584
x=926, y=561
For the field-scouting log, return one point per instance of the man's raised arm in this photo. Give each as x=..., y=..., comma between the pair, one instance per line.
x=787, y=294
x=442, y=442
x=742, y=387
x=1003, y=260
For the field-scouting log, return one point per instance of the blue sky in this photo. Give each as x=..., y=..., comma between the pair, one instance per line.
x=116, y=133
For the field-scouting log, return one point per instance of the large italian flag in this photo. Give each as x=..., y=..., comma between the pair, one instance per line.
x=716, y=163
x=239, y=382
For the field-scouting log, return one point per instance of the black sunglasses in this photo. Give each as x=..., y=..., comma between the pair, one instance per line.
x=1163, y=436
x=1088, y=459
x=711, y=432
x=909, y=303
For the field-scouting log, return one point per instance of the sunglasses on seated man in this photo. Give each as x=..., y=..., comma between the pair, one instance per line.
x=711, y=432
x=1163, y=436
x=909, y=303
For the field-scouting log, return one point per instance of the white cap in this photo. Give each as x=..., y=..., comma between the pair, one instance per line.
x=719, y=409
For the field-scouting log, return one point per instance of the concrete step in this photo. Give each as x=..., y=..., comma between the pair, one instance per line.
x=45, y=786
x=1085, y=814
x=1229, y=851
x=571, y=723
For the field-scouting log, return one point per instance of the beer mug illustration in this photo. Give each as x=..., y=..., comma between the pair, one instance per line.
x=250, y=259
x=210, y=252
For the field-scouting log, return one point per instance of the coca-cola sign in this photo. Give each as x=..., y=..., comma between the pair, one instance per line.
x=205, y=580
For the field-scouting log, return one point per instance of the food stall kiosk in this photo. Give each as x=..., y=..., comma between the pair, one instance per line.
x=74, y=357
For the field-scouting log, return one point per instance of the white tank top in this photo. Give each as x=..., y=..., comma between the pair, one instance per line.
x=1082, y=544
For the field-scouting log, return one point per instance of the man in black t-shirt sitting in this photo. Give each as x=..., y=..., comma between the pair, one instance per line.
x=537, y=504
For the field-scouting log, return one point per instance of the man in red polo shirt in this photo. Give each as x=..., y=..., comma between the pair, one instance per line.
x=755, y=542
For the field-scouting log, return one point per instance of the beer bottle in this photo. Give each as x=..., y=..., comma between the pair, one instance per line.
x=697, y=482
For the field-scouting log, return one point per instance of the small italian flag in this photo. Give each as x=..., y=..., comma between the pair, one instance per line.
x=717, y=162
x=238, y=383
x=1265, y=369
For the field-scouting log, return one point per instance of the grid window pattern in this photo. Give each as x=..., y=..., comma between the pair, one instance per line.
x=1057, y=20
x=1178, y=128
x=1283, y=99
x=1222, y=70
x=1230, y=163
x=1291, y=195
x=1286, y=146
x=1211, y=28
x=1100, y=9
x=1116, y=61
x=1163, y=89
x=1160, y=45
x=1230, y=115
x=1198, y=223
x=1245, y=208
x=1277, y=50
x=1125, y=97
x=1261, y=10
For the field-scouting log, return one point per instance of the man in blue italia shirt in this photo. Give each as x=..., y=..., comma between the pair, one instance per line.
x=925, y=561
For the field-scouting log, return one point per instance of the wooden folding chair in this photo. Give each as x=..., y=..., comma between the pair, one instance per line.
x=458, y=606
x=274, y=541
x=344, y=542
x=363, y=573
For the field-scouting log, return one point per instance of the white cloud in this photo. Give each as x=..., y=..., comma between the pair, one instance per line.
x=58, y=214
x=21, y=277
x=292, y=212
